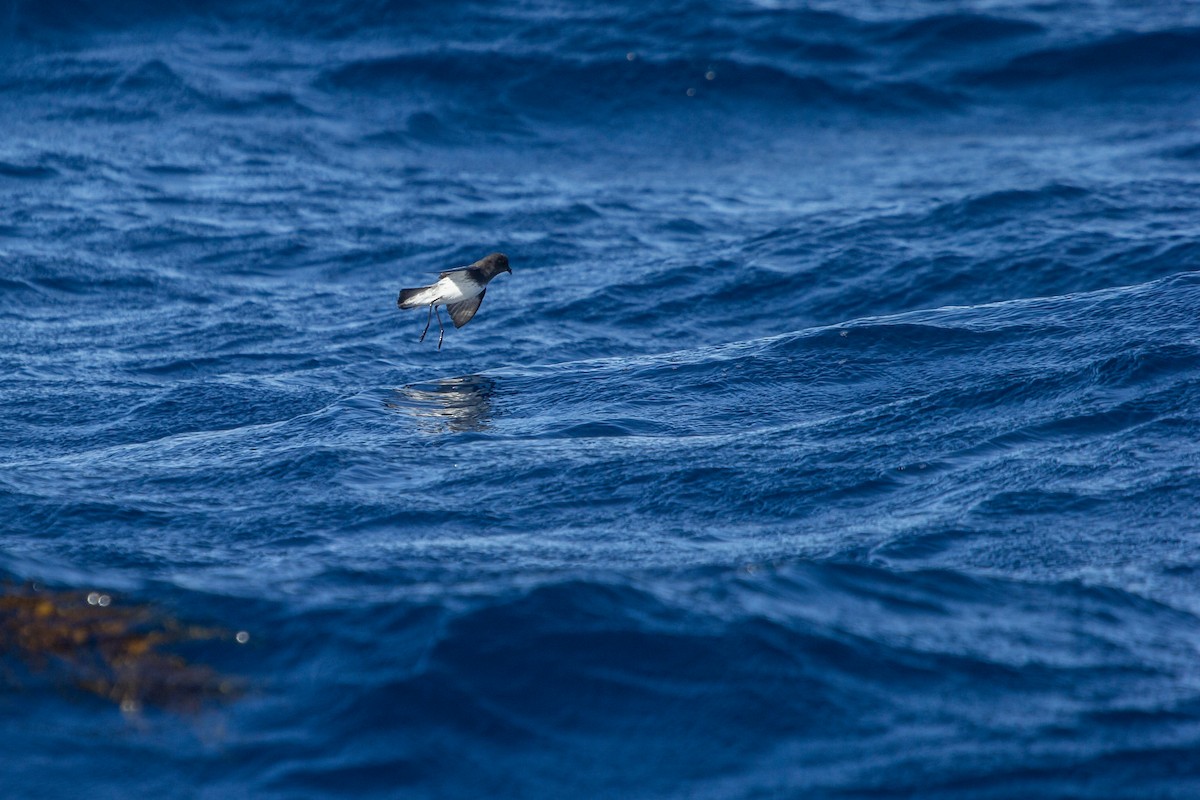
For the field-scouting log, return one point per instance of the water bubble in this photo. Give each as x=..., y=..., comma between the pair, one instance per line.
x=710, y=75
x=93, y=598
x=103, y=600
x=691, y=92
x=242, y=637
x=631, y=56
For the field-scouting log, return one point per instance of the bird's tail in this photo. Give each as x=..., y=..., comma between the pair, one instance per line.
x=411, y=298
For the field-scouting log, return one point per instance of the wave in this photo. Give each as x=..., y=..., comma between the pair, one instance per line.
x=983, y=211
x=969, y=406
x=26, y=171
x=974, y=359
x=954, y=31
x=787, y=676
x=585, y=88
x=1129, y=60
x=820, y=270
x=461, y=75
x=117, y=92
x=735, y=681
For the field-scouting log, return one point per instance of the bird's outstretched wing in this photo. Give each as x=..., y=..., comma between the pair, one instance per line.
x=462, y=312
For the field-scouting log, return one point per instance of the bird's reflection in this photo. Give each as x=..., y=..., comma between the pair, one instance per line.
x=449, y=404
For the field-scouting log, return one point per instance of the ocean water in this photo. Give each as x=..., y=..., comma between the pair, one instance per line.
x=837, y=433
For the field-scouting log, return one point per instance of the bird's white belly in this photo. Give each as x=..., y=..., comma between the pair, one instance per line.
x=448, y=290
x=445, y=292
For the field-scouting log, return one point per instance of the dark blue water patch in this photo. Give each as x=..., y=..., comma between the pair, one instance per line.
x=998, y=207
x=172, y=170
x=1189, y=152
x=280, y=103
x=1122, y=61
x=154, y=78
x=86, y=17
x=954, y=31
x=25, y=172
x=12, y=287
x=422, y=127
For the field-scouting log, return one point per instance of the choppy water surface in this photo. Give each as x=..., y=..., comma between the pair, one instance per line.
x=836, y=434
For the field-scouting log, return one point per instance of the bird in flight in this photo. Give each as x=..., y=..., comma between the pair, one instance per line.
x=459, y=290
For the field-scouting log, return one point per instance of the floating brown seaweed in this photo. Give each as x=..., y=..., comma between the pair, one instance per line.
x=109, y=649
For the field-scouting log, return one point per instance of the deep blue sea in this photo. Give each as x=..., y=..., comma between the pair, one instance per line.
x=837, y=433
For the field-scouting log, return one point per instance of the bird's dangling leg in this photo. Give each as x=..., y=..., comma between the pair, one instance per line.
x=428, y=320
x=441, y=329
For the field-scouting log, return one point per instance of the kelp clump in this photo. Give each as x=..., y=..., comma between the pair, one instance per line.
x=116, y=651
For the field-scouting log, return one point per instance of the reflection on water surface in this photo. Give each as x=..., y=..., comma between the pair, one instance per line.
x=449, y=404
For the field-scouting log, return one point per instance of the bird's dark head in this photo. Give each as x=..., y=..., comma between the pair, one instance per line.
x=493, y=265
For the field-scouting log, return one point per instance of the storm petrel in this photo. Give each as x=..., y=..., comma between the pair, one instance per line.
x=459, y=290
